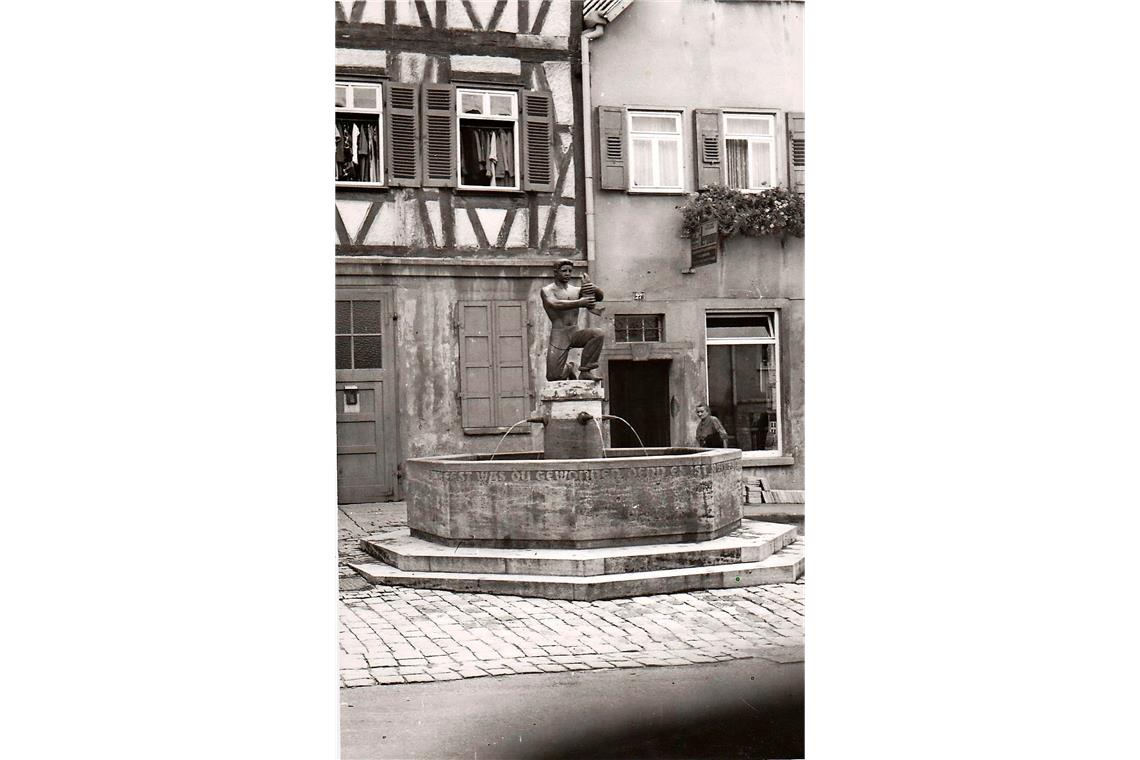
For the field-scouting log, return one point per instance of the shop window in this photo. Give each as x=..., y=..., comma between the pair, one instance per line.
x=749, y=151
x=359, y=335
x=744, y=378
x=488, y=139
x=638, y=328
x=655, y=150
x=359, y=134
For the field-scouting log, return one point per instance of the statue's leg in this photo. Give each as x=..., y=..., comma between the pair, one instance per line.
x=556, y=362
x=590, y=340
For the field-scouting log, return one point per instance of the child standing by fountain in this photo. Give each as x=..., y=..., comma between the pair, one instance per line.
x=710, y=433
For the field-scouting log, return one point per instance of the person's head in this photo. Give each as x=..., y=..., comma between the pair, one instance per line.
x=563, y=270
x=702, y=410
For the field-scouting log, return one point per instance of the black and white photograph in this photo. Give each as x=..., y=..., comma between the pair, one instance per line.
x=494, y=445
x=570, y=378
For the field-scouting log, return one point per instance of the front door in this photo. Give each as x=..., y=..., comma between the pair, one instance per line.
x=639, y=393
x=366, y=449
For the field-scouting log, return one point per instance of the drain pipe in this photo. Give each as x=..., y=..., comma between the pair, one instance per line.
x=598, y=27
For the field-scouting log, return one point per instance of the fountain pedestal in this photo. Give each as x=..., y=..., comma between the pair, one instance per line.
x=569, y=433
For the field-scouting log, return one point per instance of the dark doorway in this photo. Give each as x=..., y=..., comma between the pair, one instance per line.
x=639, y=392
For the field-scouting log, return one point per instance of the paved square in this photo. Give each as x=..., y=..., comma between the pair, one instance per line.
x=391, y=634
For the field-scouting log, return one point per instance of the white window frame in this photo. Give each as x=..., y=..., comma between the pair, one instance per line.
x=378, y=111
x=514, y=119
x=770, y=139
x=657, y=138
x=747, y=341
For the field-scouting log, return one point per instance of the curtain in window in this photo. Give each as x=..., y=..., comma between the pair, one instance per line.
x=642, y=163
x=736, y=163
x=357, y=151
x=487, y=155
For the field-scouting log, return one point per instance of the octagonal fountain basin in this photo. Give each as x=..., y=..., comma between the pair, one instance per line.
x=521, y=500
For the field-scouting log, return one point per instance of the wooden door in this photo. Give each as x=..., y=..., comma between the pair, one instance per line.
x=366, y=421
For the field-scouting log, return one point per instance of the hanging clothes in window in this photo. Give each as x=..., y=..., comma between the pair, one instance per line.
x=357, y=151
x=487, y=155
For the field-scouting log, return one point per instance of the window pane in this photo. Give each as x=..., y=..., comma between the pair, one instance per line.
x=642, y=163
x=342, y=323
x=736, y=163
x=470, y=103
x=739, y=325
x=366, y=352
x=739, y=125
x=742, y=394
x=760, y=165
x=366, y=317
x=343, y=353
x=363, y=97
x=487, y=153
x=669, y=153
x=665, y=124
x=341, y=97
x=501, y=105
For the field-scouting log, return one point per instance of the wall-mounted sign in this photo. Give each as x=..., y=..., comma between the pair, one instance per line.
x=704, y=246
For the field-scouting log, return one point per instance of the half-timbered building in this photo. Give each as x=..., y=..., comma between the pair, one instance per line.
x=456, y=145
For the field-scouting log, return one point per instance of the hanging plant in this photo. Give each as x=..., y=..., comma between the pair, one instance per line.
x=776, y=212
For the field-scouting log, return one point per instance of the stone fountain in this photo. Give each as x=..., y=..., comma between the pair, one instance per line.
x=577, y=520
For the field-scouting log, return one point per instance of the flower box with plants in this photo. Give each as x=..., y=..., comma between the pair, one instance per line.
x=769, y=213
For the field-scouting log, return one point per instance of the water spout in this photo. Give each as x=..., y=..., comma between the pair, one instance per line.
x=512, y=427
x=600, y=436
x=644, y=450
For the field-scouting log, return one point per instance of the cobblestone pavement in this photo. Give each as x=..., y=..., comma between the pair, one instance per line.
x=391, y=634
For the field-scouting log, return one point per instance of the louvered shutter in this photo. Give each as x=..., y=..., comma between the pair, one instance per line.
x=538, y=141
x=611, y=148
x=796, y=152
x=403, y=149
x=476, y=382
x=439, y=135
x=706, y=129
x=509, y=324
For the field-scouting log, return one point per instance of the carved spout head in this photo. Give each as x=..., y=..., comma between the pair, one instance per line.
x=584, y=417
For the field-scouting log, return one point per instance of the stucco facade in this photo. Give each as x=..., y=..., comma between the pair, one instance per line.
x=683, y=56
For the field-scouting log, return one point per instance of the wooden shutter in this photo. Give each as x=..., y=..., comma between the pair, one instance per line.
x=476, y=381
x=511, y=379
x=706, y=129
x=537, y=141
x=439, y=135
x=611, y=148
x=403, y=143
x=796, y=152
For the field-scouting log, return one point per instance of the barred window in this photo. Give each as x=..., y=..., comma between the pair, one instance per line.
x=638, y=328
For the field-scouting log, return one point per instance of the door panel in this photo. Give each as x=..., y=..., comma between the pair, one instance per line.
x=366, y=422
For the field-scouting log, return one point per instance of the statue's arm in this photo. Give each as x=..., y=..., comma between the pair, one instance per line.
x=560, y=304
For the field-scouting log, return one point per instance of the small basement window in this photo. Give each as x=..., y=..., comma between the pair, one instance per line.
x=488, y=139
x=359, y=148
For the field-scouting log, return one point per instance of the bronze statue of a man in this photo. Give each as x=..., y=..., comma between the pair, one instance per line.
x=562, y=301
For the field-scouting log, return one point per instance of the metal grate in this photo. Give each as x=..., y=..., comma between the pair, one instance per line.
x=638, y=328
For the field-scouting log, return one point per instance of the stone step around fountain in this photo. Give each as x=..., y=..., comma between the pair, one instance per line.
x=784, y=566
x=750, y=543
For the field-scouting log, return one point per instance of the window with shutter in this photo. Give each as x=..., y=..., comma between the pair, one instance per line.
x=403, y=135
x=796, y=152
x=655, y=151
x=494, y=375
x=538, y=141
x=611, y=148
x=488, y=139
x=439, y=135
x=359, y=131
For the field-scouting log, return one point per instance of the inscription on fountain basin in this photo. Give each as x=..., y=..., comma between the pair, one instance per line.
x=549, y=476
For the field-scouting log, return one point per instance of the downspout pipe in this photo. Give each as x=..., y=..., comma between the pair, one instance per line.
x=597, y=28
